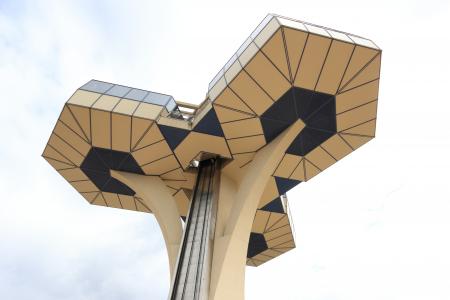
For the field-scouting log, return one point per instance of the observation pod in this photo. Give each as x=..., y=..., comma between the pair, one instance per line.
x=293, y=100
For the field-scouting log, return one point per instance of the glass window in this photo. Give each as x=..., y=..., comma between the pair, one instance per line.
x=118, y=91
x=171, y=105
x=156, y=98
x=97, y=86
x=136, y=94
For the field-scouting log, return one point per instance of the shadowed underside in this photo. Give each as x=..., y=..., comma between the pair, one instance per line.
x=286, y=71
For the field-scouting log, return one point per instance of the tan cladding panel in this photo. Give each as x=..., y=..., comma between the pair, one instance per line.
x=295, y=43
x=287, y=165
x=356, y=97
x=101, y=128
x=72, y=138
x=139, y=128
x=73, y=174
x=152, y=153
x=229, y=99
x=66, y=150
x=121, y=132
x=360, y=57
x=334, y=67
x=356, y=116
x=228, y=115
x=68, y=119
x=367, y=129
x=106, y=102
x=312, y=60
x=356, y=141
x=260, y=221
x=369, y=73
x=126, y=107
x=270, y=192
x=148, y=111
x=83, y=116
x=83, y=98
x=247, y=89
x=247, y=127
x=127, y=202
x=161, y=166
x=274, y=49
x=196, y=143
x=247, y=144
x=267, y=76
x=320, y=158
x=337, y=147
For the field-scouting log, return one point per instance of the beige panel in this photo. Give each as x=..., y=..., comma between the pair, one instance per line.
x=121, y=132
x=64, y=149
x=242, y=159
x=312, y=61
x=272, y=253
x=276, y=219
x=267, y=76
x=217, y=88
x=151, y=153
x=295, y=42
x=197, y=142
x=334, y=67
x=106, y=102
x=369, y=73
x=320, y=158
x=72, y=138
x=356, y=116
x=148, y=111
x=270, y=192
x=267, y=32
x=90, y=196
x=139, y=127
x=84, y=186
x=367, y=129
x=275, y=51
x=247, y=144
x=101, y=128
x=248, y=54
x=178, y=184
x=57, y=165
x=174, y=175
x=99, y=200
x=182, y=202
x=260, y=221
x=126, y=107
x=242, y=128
x=361, y=56
x=161, y=166
x=141, y=206
x=68, y=119
x=251, y=93
x=178, y=123
x=278, y=232
x=229, y=99
x=112, y=200
x=83, y=117
x=356, y=141
x=127, y=202
x=232, y=71
x=310, y=170
x=279, y=224
x=299, y=172
x=287, y=165
x=83, y=98
x=227, y=115
x=74, y=174
x=261, y=258
x=337, y=147
x=358, y=96
x=50, y=152
x=285, y=246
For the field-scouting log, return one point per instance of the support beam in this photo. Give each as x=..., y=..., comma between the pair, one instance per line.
x=230, y=246
x=157, y=197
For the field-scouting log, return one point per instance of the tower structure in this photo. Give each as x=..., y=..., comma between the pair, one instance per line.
x=293, y=100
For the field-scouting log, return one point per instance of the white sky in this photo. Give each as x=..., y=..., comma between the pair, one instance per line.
x=374, y=226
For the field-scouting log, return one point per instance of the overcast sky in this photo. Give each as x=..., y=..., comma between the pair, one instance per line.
x=374, y=226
